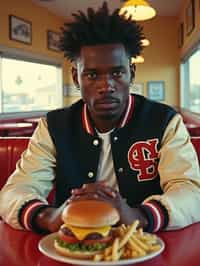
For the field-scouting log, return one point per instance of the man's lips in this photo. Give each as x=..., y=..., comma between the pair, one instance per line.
x=107, y=103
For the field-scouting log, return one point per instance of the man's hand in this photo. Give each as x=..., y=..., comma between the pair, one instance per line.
x=50, y=218
x=100, y=191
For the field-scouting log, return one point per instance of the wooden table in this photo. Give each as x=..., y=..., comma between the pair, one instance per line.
x=5, y=128
x=19, y=248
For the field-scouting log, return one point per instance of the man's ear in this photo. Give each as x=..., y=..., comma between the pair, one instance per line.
x=132, y=69
x=75, y=76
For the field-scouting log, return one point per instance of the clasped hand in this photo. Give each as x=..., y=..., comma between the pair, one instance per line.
x=97, y=191
x=101, y=191
x=50, y=218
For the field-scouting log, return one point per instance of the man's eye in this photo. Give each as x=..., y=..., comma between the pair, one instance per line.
x=117, y=73
x=92, y=75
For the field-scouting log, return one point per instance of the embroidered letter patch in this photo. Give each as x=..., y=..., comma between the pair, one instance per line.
x=142, y=157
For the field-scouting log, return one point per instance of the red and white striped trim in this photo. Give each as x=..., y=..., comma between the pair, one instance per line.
x=86, y=122
x=129, y=111
x=126, y=118
x=26, y=213
x=157, y=214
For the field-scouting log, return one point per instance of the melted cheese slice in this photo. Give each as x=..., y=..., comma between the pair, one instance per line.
x=81, y=233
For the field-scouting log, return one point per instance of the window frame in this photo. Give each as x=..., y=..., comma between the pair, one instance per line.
x=185, y=78
x=18, y=54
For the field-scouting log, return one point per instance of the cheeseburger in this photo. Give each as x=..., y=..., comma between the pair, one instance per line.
x=87, y=228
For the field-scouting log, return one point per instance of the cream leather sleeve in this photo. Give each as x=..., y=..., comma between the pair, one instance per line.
x=179, y=176
x=32, y=178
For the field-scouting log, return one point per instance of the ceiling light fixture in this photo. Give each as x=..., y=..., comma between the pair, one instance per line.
x=145, y=42
x=137, y=10
x=138, y=59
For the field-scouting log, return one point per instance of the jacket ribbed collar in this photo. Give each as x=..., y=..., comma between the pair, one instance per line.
x=87, y=125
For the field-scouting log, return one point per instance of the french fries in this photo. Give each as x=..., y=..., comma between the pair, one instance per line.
x=129, y=242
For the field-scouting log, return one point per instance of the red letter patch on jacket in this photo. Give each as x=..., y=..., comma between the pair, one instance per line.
x=142, y=157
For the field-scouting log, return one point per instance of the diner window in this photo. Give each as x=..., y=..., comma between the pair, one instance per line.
x=29, y=86
x=190, y=82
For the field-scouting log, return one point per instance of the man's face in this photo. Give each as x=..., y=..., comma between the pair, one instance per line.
x=103, y=74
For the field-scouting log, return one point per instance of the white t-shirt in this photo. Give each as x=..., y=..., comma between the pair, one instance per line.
x=105, y=170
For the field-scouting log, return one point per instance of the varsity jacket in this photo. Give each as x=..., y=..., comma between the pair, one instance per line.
x=155, y=164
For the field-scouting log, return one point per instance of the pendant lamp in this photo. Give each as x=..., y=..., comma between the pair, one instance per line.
x=145, y=42
x=137, y=60
x=137, y=10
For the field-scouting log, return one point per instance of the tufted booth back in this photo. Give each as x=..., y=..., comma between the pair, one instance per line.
x=196, y=143
x=10, y=152
x=11, y=149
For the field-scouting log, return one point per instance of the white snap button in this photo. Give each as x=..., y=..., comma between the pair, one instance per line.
x=120, y=170
x=115, y=138
x=90, y=174
x=96, y=142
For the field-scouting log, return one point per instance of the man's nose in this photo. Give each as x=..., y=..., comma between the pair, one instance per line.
x=106, y=84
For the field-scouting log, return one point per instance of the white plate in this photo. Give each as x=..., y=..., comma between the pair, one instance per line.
x=47, y=248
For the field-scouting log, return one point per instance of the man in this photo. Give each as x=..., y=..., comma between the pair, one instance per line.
x=112, y=146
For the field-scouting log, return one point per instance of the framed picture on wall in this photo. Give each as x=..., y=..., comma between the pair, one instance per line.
x=20, y=30
x=53, y=40
x=181, y=35
x=190, y=17
x=137, y=87
x=156, y=90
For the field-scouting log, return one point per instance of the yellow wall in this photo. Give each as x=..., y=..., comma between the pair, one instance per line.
x=41, y=19
x=161, y=57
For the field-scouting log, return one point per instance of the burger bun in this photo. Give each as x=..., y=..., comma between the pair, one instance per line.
x=90, y=213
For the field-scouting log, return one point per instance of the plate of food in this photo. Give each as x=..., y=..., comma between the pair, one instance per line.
x=90, y=238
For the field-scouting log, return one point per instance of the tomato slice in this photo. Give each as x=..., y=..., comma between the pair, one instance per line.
x=67, y=239
x=101, y=240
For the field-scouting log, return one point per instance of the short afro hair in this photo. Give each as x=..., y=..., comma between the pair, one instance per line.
x=100, y=27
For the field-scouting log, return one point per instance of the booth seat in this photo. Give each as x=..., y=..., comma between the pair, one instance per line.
x=10, y=152
x=191, y=121
x=196, y=143
x=18, y=127
x=11, y=149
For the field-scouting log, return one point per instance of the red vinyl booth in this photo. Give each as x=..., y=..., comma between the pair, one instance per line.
x=10, y=152
x=196, y=143
x=12, y=147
